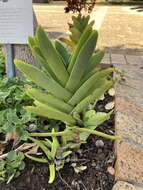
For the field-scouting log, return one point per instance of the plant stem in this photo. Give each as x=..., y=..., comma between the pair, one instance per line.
x=41, y=160
x=53, y=134
x=78, y=129
x=98, y=133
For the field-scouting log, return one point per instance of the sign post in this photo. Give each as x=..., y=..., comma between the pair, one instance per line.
x=16, y=24
x=10, y=68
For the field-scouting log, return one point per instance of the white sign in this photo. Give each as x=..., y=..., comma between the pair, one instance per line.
x=16, y=21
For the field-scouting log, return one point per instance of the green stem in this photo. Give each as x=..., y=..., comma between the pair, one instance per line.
x=78, y=129
x=41, y=160
x=98, y=133
x=53, y=134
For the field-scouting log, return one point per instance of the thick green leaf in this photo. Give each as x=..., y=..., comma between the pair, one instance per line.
x=88, y=75
x=52, y=56
x=68, y=42
x=77, y=24
x=86, y=20
x=81, y=62
x=96, y=119
x=32, y=42
x=42, y=80
x=49, y=100
x=63, y=52
x=41, y=60
x=91, y=23
x=93, y=97
x=95, y=81
x=85, y=90
x=103, y=74
x=46, y=111
x=95, y=60
x=39, y=56
x=81, y=42
x=75, y=34
x=74, y=38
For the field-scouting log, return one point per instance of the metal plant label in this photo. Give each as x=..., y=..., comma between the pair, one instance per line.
x=16, y=21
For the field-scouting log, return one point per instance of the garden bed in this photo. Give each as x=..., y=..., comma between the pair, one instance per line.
x=97, y=155
x=49, y=121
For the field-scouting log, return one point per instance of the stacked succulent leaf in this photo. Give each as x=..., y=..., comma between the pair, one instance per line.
x=67, y=82
x=79, y=24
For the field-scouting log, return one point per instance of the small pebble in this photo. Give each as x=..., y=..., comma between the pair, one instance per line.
x=111, y=170
x=80, y=169
x=111, y=92
x=99, y=143
x=93, y=164
x=110, y=105
x=32, y=127
x=73, y=165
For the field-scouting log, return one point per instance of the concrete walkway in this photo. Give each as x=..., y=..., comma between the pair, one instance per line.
x=120, y=27
x=100, y=13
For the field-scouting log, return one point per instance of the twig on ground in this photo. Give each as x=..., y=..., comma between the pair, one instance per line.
x=64, y=181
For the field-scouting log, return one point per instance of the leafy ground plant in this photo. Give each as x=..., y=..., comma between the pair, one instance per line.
x=11, y=166
x=15, y=125
x=67, y=83
x=14, y=119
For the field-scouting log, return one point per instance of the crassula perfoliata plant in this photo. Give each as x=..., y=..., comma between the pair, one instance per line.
x=67, y=82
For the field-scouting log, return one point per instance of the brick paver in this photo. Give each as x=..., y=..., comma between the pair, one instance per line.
x=129, y=164
x=129, y=123
x=134, y=60
x=120, y=185
x=118, y=59
x=130, y=88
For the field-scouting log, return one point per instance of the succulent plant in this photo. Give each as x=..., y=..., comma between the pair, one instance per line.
x=66, y=84
x=76, y=28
